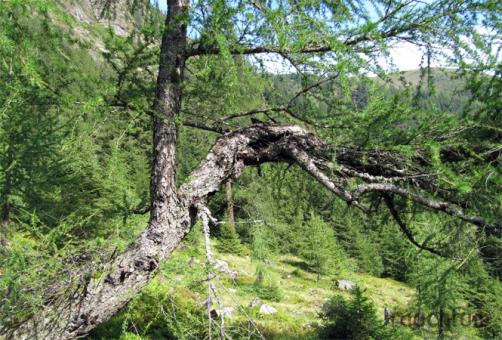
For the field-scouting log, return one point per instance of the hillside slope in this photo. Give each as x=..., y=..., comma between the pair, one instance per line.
x=182, y=285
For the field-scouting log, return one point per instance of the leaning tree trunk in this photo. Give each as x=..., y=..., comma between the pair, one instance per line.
x=173, y=210
x=127, y=274
x=169, y=220
x=131, y=271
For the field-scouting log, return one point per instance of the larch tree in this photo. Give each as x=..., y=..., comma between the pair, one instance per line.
x=329, y=39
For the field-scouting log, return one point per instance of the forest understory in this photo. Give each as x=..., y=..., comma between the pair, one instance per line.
x=250, y=170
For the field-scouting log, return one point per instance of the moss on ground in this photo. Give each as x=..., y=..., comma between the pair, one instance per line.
x=173, y=305
x=302, y=295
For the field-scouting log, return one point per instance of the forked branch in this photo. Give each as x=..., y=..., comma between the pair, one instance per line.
x=124, y=277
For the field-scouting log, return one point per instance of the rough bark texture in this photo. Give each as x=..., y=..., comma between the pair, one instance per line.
x=173, y=209
x=169, y=220
x=131, y=271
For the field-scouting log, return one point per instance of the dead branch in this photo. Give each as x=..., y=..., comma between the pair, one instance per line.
x=129, y=272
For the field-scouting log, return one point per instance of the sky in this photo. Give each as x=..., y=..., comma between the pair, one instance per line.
x=406, y=56
x=162, y=4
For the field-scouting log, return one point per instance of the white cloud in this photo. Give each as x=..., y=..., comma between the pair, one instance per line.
x=406, y=56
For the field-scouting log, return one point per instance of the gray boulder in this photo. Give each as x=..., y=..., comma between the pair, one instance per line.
x=256, y=302
x=267, y=310
x=223, y=267
x=346, y=284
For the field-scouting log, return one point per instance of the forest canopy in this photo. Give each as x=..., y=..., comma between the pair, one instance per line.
x=138, y=148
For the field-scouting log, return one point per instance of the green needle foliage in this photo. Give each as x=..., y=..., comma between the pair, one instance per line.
x=350, y=319
x=319, y=247
x=229, y=241
x=75, y=155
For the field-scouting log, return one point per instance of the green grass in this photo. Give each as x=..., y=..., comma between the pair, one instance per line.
x=302, y=295
x=182, y=286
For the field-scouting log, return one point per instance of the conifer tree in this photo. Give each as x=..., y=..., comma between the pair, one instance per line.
x=264, y=247
x=440, y=290
x=319, y=247
x=389, y=150
x=352, y=319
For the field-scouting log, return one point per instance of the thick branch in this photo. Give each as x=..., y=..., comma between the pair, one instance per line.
x=103, y=295
x=307, y=163
x=431, y=203
x=247, y=50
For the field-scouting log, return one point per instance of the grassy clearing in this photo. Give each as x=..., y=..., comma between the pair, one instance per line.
x=173, y=305
x=302, y=299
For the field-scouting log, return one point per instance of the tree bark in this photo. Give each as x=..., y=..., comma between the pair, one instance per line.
x=100, y=298
x=230, y=205
x=441, y=323
x=104, y=292
x=169, y=220
x=5, y=223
